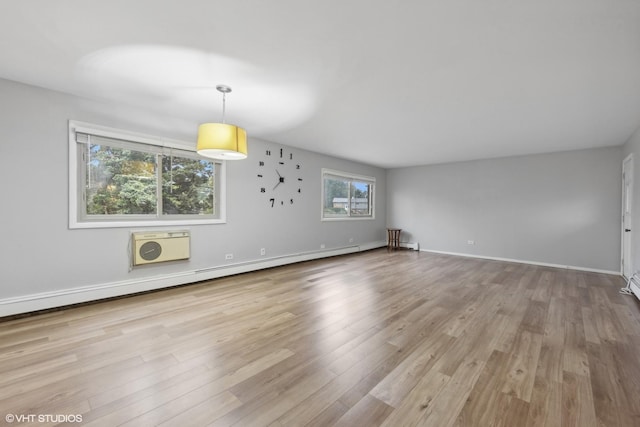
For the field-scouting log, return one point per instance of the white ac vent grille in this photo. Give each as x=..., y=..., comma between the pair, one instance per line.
x=153, y=247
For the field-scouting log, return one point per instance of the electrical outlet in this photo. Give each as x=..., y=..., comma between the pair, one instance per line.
x=228, y=256
x=471, y=242
x=263, y=251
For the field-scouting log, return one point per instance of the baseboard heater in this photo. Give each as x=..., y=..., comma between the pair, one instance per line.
x=154, y=247
x=410, y=245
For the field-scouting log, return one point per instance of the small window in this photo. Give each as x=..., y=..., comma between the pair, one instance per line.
x=347, y=196
x=124, y=179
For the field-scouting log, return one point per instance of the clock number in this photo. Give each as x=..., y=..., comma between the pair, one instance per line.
x=291, y=201
x=300, y=179
x=259, y=176
x=261, y=163
x=263, y=190
x=272, y=201
x=281, y=153
x=290, y=156
x=299, y=190
x=282, y=163
x=281, y=202
x=297, y=166
x=268, y=152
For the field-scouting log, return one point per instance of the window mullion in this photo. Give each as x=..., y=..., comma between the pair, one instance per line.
x=349, y=197
x=159, y=184
x=85, y=176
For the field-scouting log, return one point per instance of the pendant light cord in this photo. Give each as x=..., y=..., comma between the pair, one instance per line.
x=224, y=106
x=224, y=90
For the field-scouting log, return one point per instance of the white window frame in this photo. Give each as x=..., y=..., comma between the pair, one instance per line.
x=76, y=173
x=349, y=177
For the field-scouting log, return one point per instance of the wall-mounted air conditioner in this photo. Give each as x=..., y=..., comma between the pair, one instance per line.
x=152, y=247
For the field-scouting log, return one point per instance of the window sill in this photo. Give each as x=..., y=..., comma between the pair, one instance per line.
x=144, y=223
x=349, y=218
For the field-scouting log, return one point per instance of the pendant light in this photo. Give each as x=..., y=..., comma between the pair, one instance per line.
x=220, y=140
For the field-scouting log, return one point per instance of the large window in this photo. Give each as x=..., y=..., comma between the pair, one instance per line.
x=124, y=179
x=347, y=196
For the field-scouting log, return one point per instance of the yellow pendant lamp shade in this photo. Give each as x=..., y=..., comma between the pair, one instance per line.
x=220, y=140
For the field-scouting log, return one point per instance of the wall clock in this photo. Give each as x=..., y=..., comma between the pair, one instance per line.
x=280, y=177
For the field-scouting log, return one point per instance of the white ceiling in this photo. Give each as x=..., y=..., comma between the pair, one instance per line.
x=389, y=83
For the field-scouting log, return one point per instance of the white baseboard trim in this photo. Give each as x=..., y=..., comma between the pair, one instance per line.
x=519, y=261
x=63, y=297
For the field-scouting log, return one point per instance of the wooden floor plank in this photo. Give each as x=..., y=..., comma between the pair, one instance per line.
x=421, y=397
x=447, y=404
x=522, y=366
x=367, y=412
x=545, y=408
x=577, y=398
x=395, y=386
x=481, y=407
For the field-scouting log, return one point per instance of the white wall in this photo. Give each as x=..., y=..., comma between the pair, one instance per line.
x=44, y=263
x=560, y=208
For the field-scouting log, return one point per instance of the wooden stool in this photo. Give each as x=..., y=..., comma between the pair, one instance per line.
x=393, y=238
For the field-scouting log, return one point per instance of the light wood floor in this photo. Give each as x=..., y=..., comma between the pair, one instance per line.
x=378, y=338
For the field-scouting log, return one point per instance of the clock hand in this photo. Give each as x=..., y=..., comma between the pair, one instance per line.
x=280, y=179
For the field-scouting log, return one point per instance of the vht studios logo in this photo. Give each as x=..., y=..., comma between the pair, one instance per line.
x=43, y=418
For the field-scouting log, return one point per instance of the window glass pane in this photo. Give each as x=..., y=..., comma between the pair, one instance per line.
x=120, y=181
x=347, y=196
x=187, y=186
x=360, y=202
x=336, y=197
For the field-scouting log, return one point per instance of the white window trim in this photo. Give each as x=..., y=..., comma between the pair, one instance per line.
x=352, y=176
x=75, y=220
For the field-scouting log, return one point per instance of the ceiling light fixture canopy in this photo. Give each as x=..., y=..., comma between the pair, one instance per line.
x=220, y=140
